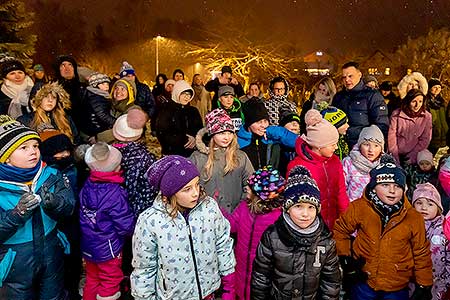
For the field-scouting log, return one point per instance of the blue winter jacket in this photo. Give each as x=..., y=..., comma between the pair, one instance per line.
x=364, y=106
x=275, y=135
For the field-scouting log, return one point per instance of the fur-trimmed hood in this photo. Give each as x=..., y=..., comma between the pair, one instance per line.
x=201, y=146
x=414, y=76
x=54, y=88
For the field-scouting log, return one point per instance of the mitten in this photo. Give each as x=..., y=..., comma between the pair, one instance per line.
x=352, y=271
x=48, y=199
x=27, y=203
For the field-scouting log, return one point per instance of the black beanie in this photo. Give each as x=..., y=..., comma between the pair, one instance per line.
x=432, y=82
x=254, y=111
x=288, y=117
x=55, y=144
x=9, y=65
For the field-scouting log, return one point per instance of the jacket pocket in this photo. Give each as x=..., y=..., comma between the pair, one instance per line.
x=5, y=265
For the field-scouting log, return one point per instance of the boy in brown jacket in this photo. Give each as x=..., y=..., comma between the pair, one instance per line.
x=390, y=248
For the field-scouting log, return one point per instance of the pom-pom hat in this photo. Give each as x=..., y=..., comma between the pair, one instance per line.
x=319, y=132
x=102, y=157
x=301, y=187
x=130, y=126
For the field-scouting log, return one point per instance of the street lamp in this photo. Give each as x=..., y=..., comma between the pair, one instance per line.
x=157, y=53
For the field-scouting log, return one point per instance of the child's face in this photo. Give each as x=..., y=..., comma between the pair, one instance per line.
x=427, y=208
x=226, y=101
x=223, y=139
x=187, y=197
x=343, y=129
x=26, y=156
x=425, y=166
x=104, y=86
x=328, y=151
x=62, y=154
x=48, y=103
x=259, y=128
x=303, y=214
x=370, y=150
x=293, y=126
x=389, y=193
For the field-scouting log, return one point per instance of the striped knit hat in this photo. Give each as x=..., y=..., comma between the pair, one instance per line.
x=12, y=135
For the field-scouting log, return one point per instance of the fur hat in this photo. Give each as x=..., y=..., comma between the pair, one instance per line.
x=225, y=90
x=319, y=132
x=333, y=114
x=98, y=78
x=130, y=126
x=57, y=90
x=12, y=135
x=414, y=76
x=171, y=173
x=371, y=134
x=126, y=69
x=428, y=191
x=266, y=183
x=9, y=64
x=102, y=157
x=254, y=110
x=387, y=172
x=301, y=187
x=180, y=87
x=218, y=121
x=169, y=81
x=425, y=155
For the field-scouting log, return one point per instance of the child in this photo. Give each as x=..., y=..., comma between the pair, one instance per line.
x=339, y=119
x=105, y=220
x=224, y=169
x=315, y=151
x=426, y=200
x=296, y=258
x=444, y=183
x=250, y=219
x=391, y=245
x=182, y=244
x=290, y=121
x=231, y=105
x=364, y=156
x=33, y=198
x=421, y=172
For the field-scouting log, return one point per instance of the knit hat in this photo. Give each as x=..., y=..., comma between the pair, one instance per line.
x=130, y=126
x=225, y=90
x=433, y=81
x=227, y=69
x=266, y=183
x=102, y=157
x=369, y=78
x=319, y=132
x=98, y=78
x=171, y=173
x=9, y=64
x=12, y=135
x=38, y=67
x=371, y=134
x=218, y=121
x=301, y=187
x=126, y=69
x=386, y=86
x=333, y=114
x=428, y=191
x=288, y=116
x=425, y=155
x=387, y=172
x=54, y=141
x=169, y=81
x=254, y=111
x=129, y=85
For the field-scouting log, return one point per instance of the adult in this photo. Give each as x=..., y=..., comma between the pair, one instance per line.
x=166, y=95
x=144, y=98
x=410, y=128
x=363, y=105
x=123, y=95
x=323, y=91
x=202, y=98
x=158, y=88
x=371, y=81
x=177, y=123
x=392, y=100
x=15, y=89
x=415, y=80
x=438, y=109
x=254, y=90
x=224, y=78
x=178, y=74
x=38, y=78
x=278, y=101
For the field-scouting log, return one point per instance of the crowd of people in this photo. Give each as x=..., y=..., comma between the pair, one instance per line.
x=253, y=197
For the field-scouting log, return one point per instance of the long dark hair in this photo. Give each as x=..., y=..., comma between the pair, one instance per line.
x=410, y=96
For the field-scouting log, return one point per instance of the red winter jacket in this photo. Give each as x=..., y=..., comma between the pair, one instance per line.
x=329, y=175
x=249, y=229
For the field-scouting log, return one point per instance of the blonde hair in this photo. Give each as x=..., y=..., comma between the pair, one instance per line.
x=58, y=114
x=231, y=158
x=257, y=206
x=329, y=85
x=171, y=204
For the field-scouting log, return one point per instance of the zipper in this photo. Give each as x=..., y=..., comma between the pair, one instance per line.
x=163, y=277
x=257, y=152
x=248, y=257
x=191, y=242
x=110, y=248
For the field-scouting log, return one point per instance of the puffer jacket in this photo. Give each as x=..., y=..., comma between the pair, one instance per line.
x=97, y=115
x=364, y=106
x=293, y=266
x=249, y=229
x=105, y=217
x=393, y=255
x=329, y=176
x=227, y=189
x=145, y=99
x=178, y=258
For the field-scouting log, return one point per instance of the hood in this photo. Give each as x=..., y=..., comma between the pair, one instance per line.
x=414, y=76
x=179, y=87
x=304, y=152
x=62, y=58
x=54, y=88
x=201, y=146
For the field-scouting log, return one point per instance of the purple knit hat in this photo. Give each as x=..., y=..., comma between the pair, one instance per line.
x=171, y=173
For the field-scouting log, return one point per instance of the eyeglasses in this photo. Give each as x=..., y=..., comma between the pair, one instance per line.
x=186, y=94
x=279, y=89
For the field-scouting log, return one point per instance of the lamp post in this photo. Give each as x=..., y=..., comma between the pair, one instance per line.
x=157, y=54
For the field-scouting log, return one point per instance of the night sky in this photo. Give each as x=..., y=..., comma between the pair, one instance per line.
x=341, y=25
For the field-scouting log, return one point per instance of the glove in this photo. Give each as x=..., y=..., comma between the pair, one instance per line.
x=422, y=293
x=352, y=271
x=27, y=203
x=48, y=199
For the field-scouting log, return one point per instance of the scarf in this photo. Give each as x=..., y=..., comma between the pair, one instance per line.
x=107, y=177
x=99, y=92
x=386, y=211
x=15, y=174
x=278, y=97
x=19, y=95
x=301, y=231
x=361, y=163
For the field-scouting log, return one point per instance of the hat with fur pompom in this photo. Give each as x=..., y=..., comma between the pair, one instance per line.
x=319, y=132
x=130, y=126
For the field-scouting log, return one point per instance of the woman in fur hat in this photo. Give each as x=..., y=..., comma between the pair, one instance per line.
x=415, y=80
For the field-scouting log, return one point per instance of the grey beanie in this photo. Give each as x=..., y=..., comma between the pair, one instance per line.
x=372, y=134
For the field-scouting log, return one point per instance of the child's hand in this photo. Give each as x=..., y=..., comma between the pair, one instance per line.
x=48, y=198
x=27, y=203
x=422, y=293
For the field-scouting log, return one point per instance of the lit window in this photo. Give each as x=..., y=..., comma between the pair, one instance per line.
x=387, y=71
x=319, y=53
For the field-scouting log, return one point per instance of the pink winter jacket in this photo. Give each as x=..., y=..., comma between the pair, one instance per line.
x=249, y=229
x=408, y=136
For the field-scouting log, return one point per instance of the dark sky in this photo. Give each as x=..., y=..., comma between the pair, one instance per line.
x=341, y=25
